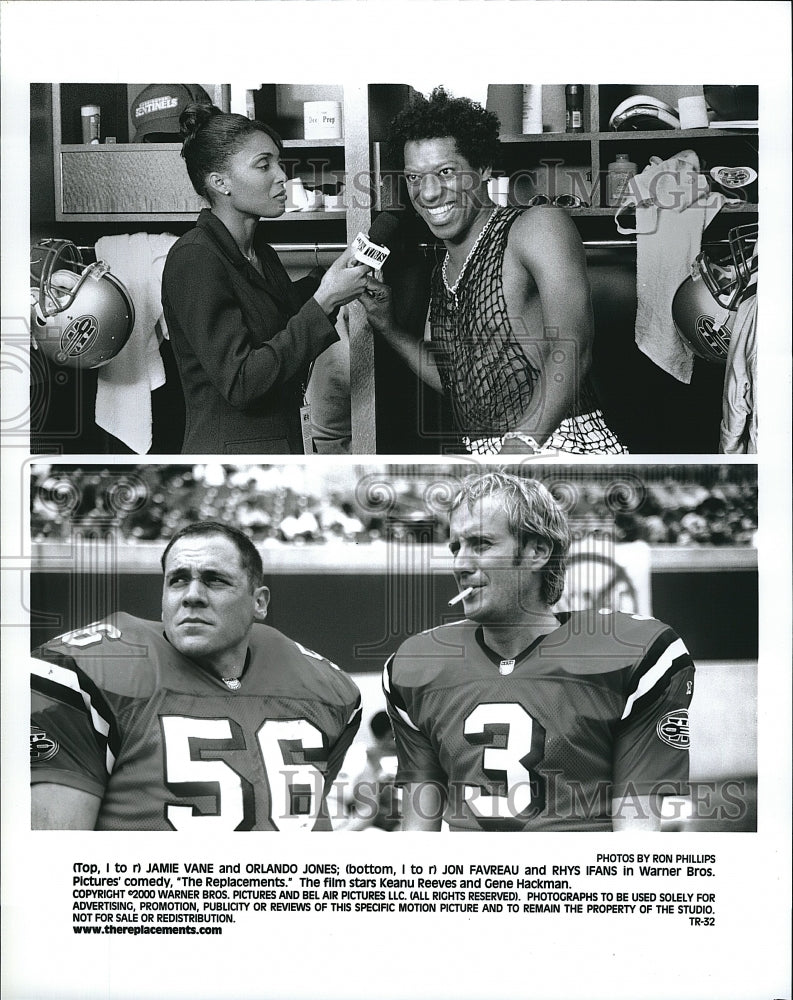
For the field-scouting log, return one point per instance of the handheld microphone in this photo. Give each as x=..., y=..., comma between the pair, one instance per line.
x=373, y=249
x=383, y=229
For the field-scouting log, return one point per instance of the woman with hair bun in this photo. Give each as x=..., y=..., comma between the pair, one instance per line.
x=243, y=334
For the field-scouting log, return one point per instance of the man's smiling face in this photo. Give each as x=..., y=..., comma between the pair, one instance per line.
x=446, y=191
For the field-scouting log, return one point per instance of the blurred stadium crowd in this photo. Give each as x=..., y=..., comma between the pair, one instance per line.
x=312, y=505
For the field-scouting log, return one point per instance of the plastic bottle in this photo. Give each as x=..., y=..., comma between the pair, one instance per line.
x=574, y=104
x=619, y=174
x=531, y=123
x=90, y=117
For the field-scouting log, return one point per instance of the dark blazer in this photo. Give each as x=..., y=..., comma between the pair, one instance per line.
x=242, y=342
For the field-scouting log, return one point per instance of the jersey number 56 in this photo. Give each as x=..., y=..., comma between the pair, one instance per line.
x=294, y=786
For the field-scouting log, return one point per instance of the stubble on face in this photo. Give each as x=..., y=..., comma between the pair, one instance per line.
x=209, y=604
x=488, y=558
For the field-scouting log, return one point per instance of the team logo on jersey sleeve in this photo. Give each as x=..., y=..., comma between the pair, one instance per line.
x=42, y=747
x=672, y=729
x=90, y=635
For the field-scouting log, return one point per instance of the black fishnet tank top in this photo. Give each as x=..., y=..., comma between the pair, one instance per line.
x=483, y=368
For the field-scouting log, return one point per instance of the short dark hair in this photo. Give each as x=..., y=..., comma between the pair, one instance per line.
x=531, y=512
x=249, y=555
x=474, y=130
x=212, y=136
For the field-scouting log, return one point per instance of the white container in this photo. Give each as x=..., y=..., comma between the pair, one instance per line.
x=693, y=112
x=322, y=120
x=498, y=190
x=90, y=116
x=314, y=201
x=532, y=109
x=619, y=175
x=296, y=196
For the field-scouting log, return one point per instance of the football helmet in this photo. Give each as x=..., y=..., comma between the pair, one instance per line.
x=705, y=305
x=80, y=314
x=642, y=112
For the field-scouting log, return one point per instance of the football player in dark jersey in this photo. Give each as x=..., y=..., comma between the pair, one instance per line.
x=209, y=721
x=518, y=718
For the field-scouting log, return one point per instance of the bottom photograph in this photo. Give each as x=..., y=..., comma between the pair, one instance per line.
x=382, y=648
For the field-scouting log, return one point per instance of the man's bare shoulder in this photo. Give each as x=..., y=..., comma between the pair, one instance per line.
x=545, y=237
x=543, y=228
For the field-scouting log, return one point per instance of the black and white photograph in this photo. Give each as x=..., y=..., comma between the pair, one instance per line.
x=579, y=603
x=571, y=267
x=395, y=439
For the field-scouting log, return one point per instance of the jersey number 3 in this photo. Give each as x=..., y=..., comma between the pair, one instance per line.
x=513, y=744
x=295, y=788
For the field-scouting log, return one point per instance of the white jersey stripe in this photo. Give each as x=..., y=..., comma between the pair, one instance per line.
x=400, y=711
x=405, y=718
x=67, y=678
x=649, y=679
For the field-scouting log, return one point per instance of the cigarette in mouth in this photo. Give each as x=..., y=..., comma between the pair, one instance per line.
x=461, y=596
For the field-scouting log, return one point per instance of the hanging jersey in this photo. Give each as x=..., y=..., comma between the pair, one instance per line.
x=118, y=712
x=594, y=710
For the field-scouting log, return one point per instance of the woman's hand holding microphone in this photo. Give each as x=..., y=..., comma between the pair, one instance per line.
x=342, y=282
x=347, y=279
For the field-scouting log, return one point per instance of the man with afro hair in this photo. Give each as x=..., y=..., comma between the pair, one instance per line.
x=509, y=333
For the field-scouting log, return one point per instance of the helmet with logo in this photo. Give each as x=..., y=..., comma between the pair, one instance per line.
x=80, y=315
x=706, y=303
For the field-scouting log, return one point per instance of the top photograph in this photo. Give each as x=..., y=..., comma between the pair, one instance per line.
x=393, y=269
